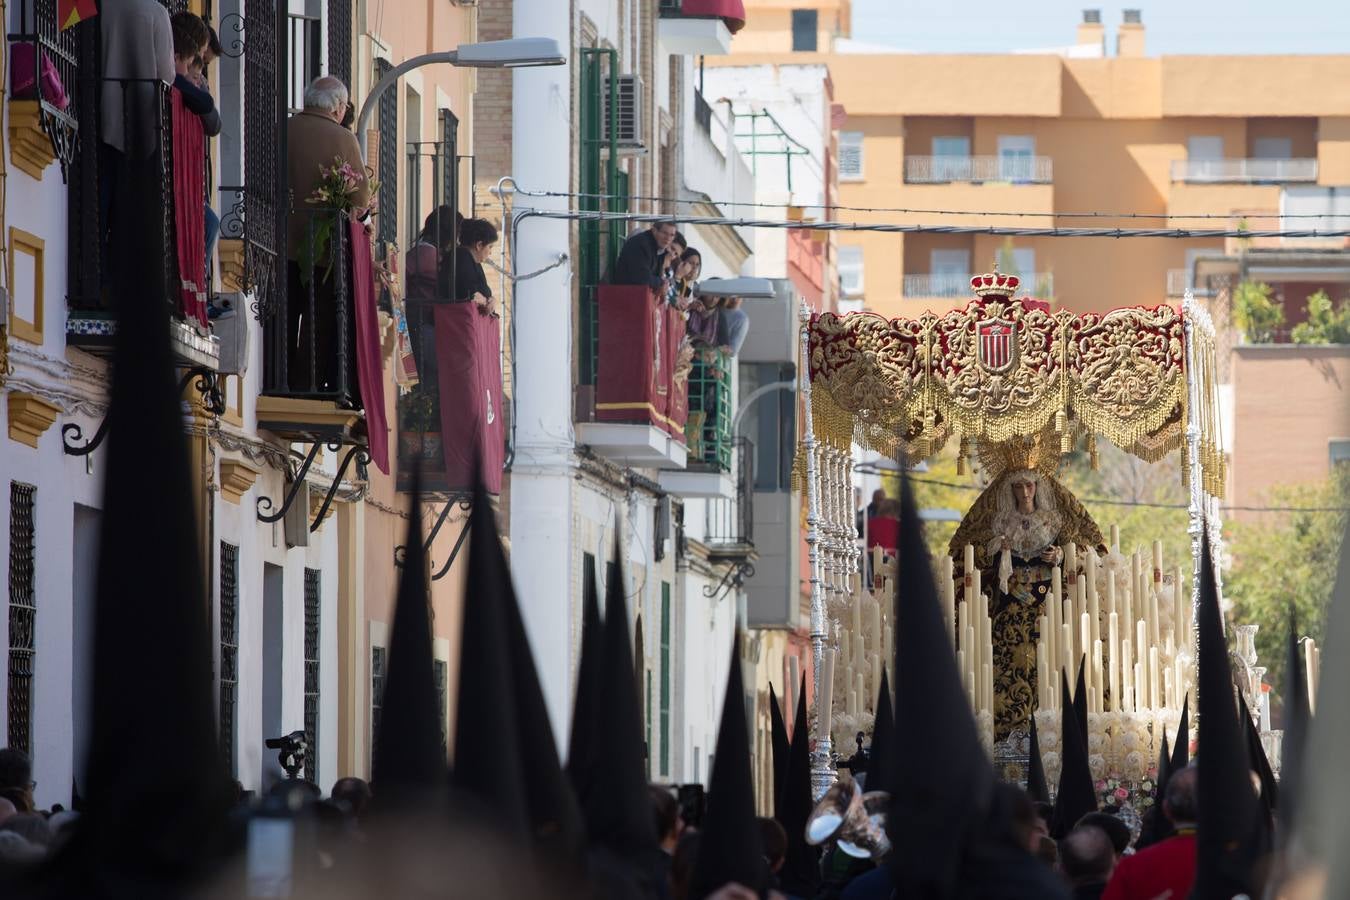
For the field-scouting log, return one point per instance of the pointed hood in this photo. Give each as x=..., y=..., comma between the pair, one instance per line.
x=1076, y=796
x=1037, y=789
x=941, y=783
x=1080, y=707
x=151, y=638
x=408, y=757
x=1323, y=827
x=1229, y=832
x=730, y=849
x=585, y=737
x=781, y=750
x=613, y=794
x=800, y=875
x=1181, y=750
x=1297, y=719
x=883, y=733
x=554, y=815
x=1260, y=764
x=488, y=765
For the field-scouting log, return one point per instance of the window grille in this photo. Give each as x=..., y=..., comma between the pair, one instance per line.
x=340, y=40
x=229, y=651
x=442, y=674
x=850, y=154
x=387, y=220
x=22, y=615
x=312, y=675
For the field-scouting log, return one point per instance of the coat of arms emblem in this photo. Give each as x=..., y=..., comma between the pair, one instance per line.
x=997, y=345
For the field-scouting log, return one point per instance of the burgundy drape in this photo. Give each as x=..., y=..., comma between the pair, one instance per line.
x=369, y=377
x=677, y=399
x=189, y=209
x=468, y=357
x=634, y=362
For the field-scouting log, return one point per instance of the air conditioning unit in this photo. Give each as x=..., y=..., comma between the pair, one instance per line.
x=628, y=114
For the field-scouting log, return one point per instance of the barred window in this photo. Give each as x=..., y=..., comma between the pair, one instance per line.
x=229, y=652
x=312, y=675
x=22, y=614
x=387, y=221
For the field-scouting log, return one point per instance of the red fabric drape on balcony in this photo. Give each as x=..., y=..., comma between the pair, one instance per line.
x=369, y=377
x=677, y=403
x=189, y=209
x=730, y=11
x=634, y=361
x=468, y=359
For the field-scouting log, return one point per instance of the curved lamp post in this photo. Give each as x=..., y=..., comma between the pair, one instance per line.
x=514, y=53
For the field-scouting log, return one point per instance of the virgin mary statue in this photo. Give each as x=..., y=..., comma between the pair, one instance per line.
x=1019, y=527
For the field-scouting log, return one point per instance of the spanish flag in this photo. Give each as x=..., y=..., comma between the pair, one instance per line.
x=71, y=12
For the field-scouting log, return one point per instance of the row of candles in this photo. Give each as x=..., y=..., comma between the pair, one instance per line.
x=1126, y=624
x=864, y=645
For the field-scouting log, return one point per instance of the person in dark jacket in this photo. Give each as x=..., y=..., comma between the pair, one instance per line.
x=644, y=258
x=476, y=237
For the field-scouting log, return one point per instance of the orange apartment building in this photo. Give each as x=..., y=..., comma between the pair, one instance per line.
x=1051, y=133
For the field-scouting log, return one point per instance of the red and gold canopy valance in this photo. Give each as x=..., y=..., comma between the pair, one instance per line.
x=1001, y=371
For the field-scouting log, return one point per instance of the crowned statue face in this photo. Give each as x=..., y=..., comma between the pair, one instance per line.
x=1024, y=495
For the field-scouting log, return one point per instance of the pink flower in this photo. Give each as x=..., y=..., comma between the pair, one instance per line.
x=1121, y=793
x=1101, y=786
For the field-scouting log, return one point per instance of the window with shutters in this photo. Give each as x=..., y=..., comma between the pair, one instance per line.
x=22, y=614
x=312, y=600
x=850, y=155
x=229, y=651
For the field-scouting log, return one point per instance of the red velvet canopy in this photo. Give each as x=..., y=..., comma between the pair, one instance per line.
x=731, y=12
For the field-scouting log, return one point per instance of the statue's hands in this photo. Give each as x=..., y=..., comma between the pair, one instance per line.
x=1003, y=544
x=1052, y=555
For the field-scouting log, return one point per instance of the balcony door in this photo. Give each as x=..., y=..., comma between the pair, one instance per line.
x=951, y=158
x=949, y=273
x=1015, y=157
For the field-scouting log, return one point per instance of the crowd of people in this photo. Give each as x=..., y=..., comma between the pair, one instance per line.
x=660, y=257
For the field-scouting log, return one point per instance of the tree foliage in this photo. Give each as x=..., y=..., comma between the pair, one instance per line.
x=1283, y=558
x=1257, y=313
x=1327, y=323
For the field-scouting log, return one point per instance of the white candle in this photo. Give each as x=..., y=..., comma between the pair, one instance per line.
x=968, y=570
x=961, y=666
x=1067, y=643
x=970, y=688
x=948, y=597
x=1126, y=677
x=876, y=678
x=826, y=696
x=1097, y=674
x=1157, y=563
x=851, y=707
x=1180, y=604
x=1095, y=613
x=1056, y=584
x=1153, y=616
x=1110, y=593
x=972, y=654
x=1040, y=672
x=1140, y=686
x=890, y=648
x=1050, y=631
x=1085, y=636
x=860, y=689
x=1113, y=659
x=1115, y=538
x=1141, y=650
x=1310, y=662
x=874, y=639
x=1154, y=685
x=962, y=620
x=988, y=702
x=1265, y=710
x=845, y=651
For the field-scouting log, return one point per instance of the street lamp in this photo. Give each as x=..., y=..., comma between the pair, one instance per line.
x=747, y=288
x=514, y=53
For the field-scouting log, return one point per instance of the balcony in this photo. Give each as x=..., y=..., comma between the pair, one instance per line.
x=978, y=169
x=956, y=286
x=729, y=527
x=44, y=71
x=110, y=214
x=1179, y=281
x=1244, y=171
x=699, y=27
x=640, y=404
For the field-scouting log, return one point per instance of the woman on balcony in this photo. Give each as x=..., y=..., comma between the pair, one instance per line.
x=476, y=237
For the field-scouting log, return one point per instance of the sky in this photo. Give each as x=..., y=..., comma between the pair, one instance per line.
x=1174, y=27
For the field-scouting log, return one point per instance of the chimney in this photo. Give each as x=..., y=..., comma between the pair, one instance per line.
x=1130, y=36
x=1090, y=30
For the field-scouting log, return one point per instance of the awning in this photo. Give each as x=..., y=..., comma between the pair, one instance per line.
x=732, y=12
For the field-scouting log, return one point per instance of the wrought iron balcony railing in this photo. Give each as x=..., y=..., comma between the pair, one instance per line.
x=708, y=429
x=1244, y=171
x=1180, y=280
x=957, y=285
x=978, y=169
x=44, y=69
x=730, y=520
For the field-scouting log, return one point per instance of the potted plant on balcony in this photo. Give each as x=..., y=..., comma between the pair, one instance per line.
x=1256, y=313
x=419, y=420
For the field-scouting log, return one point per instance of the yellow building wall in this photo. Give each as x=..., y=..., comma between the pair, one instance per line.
x=1333, y=150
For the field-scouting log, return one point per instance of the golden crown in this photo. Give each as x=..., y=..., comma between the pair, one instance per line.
x=995, y=284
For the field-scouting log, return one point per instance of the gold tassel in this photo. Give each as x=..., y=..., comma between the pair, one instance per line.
x=1092, y=451
x=1061, y=422
x=962, y=455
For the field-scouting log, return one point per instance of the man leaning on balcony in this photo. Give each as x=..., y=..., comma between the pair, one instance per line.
x=316, y=140
x=645, y=257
